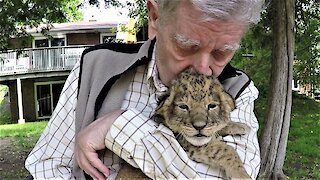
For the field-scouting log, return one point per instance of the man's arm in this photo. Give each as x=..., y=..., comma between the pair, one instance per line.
x=52, y=156
x=154, y=149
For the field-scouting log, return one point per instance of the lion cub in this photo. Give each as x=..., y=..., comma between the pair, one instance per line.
x=197, y=109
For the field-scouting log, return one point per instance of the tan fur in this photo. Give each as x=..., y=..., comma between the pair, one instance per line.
x=197, y=110
x=128, y=172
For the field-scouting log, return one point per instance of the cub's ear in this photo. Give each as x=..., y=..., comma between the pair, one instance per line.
x=166, y=102
x=227, y=102
x=158, y=118
x=158, y=114
x=163, y=98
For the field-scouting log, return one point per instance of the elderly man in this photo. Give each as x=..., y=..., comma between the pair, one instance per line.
x=110, y=96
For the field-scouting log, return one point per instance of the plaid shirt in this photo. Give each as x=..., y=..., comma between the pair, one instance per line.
x=135, y=137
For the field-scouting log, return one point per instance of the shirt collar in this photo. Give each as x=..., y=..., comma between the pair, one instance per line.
x=153, y=79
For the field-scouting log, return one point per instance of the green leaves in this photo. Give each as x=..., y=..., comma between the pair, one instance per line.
x=307, y=50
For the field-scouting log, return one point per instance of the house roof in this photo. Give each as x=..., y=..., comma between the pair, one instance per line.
x=75, y=27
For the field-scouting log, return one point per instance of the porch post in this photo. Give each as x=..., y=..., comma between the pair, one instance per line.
x=20, y=105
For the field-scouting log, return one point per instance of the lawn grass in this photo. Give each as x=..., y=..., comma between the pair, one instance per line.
x=23, y=133
x=303, y=148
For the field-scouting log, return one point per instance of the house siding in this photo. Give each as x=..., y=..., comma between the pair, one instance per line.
x=27, y=99
x=83, y=38
x=13, y=101
x=18, y=43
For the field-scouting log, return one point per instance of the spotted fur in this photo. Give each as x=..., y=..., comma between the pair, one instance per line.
x=197, y=109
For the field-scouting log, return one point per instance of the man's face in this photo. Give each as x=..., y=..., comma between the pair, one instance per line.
x=186, y=41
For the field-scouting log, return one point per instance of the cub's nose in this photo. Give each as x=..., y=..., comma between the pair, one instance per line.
x=199, y=125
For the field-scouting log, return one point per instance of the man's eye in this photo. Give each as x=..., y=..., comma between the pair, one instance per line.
x=222, y=55
x=187, y=49
x=191, y=47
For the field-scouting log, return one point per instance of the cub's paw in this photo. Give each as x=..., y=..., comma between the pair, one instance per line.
x=243, y=129
x=234, y=128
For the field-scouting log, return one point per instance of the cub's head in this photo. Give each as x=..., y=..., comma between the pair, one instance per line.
x=196, y=107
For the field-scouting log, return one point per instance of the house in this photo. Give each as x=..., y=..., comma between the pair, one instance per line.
x=35, y=74
x=310, y=90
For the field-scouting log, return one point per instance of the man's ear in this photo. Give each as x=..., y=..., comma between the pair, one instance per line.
x=152, y=18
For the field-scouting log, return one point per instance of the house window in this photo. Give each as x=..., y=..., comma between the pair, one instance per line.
x=57, y=42
x=47, y=96
x=108, y=39
x=44, y=100
x=41, y=43
x=295, y=85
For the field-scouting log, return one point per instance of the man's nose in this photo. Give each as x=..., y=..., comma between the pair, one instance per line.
x=202, y=65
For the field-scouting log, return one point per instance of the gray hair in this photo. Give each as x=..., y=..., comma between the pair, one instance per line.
x=240, y=11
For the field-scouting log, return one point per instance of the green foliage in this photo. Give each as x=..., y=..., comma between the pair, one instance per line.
x=5, y=116
x=3, y=89
x=307, y=50
x=138, y=10
x=18, y=15
x=124, y=28
x=71, y=10
x=255, y=54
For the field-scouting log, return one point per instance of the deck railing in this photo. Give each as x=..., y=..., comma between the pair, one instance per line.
x=40, y=59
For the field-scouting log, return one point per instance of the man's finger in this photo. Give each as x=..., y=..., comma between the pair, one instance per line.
x=98, y=164
x=90, y=170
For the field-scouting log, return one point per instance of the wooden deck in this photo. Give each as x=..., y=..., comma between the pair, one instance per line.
x=39, y=60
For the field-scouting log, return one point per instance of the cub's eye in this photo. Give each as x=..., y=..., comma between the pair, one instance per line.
x=183, y=106
x=212, y=106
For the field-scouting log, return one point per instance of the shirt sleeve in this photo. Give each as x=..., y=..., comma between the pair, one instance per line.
x=52, y=156
x=153, y=147
x=247, y=146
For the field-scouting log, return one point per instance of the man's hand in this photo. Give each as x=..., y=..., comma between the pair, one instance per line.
x=91, y=139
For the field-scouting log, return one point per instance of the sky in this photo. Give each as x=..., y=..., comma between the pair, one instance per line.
x=104, y=15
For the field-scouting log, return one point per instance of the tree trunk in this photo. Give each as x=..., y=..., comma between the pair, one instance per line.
x=274, y=137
